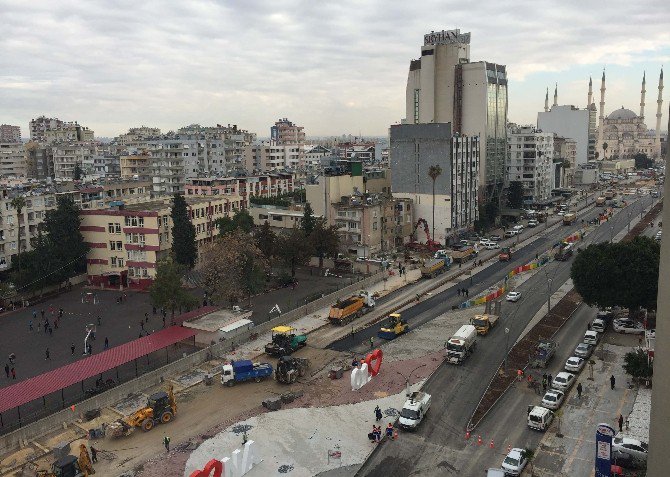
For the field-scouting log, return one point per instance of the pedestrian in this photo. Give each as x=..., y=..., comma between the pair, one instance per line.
x=94, y=454
x=579, y=390
x=459, y=292
x=13, y=373
x=7, y=370
x=106, y=343
x=612, y=381
x=42, y=311
x=30, y=325
x=51, y=331
x=142, y=324
x=56, y=323
x=60, y=312
x=378, y=413
x=389, y=430
x=467, y=293
x=99, y=321
x=146, y=317
x=372, y=342
x=46, y=326
x=620, y=422
x=549, y=379
x=460, y=264
x=72, y=348
x=47, y=355
x=166, y=443
x=163, y=321
x=34, y=314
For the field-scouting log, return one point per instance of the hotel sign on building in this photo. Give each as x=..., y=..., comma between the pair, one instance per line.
x=446, y=37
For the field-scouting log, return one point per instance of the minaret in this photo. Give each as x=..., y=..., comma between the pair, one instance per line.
x=546, y=102
x=556, y=95
x=590, y=100
x=643, y=93
x=659, y=114
x=601, y=126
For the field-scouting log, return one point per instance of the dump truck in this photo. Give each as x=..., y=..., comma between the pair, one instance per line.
x=284, y=341
x=461, y=345
x=505, y=254
x=394, y=327
x=600, y=200
x=463, y=253
x=353, y=307
x=543, y=353
x=435, y=266
x=569, y=218
x=161, y=408
x=610, y=194
x=414, y=410
x=484, y=323
x=244, y=370
x=289, y=369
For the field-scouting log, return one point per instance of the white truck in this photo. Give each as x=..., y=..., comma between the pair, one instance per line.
x=539, y=417
x=461, y=344
x=414, y=410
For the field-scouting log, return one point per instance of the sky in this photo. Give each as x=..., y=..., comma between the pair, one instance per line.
x=332, y=67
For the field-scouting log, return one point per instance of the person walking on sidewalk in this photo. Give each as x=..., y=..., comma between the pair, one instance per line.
x=372, y=342
x=612, y=381
x=579, y=390
x=378, y=413
x=72, y=348
x=166, y=443
x=620, y=422
x=13, y=373
x=30, y=326
x=7, y=370
x=47, y=355
x=106, y=343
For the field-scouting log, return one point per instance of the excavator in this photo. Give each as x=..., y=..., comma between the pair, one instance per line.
x=430, y=245
x=70, y=466
x=161, y=408
x=289, y=369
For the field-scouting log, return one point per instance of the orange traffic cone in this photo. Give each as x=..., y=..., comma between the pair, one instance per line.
x=467, y=435
x=491, y=444
x=479, y=440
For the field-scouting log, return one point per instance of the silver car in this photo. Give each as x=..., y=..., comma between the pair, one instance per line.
x=575, y=364
x=562, y=381
x=633, y=447
x=583, y=350
x=553, y=399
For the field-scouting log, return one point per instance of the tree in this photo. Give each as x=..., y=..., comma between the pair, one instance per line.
x=515, y=195
x=597, y=155
x=642, y=161
x=294, y=248
x=19, y=203
x=434, y=172
x=266, y=240
x=308, y=221
x=636, y=363
x=605, y=146
x=618, y=274
x=233, y=268
x=78, y=173
x=324, y=240
x=241, y=220
x=184, y=249
x=166, y=291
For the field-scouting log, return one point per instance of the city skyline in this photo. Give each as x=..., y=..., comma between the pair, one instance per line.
x=331, y=68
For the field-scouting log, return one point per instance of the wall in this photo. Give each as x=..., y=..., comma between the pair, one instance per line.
x=570, y=123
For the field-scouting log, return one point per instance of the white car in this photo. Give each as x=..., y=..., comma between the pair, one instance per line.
x=599, y=325
x=561, y=213
x=628, y=326
x=533, y=223
x=575, y=364
x=563, y=381
x=490, y=245
x=633, y=447
x=553, y=399
x=515, y=462
x=518, y=228
x=591, y=337
x=513, y=296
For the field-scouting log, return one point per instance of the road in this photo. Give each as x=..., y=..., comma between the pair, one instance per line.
x=439, y=446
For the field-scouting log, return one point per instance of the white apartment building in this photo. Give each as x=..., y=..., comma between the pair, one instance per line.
x=10, y=133
x=13, y=160
x=530, y=162
x=67, y=156
x=314, y=154
x=266, y=156
x=172, y=162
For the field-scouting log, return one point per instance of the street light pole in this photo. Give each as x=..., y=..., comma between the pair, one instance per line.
x=506, y=347
x=549, y=280
x=407, y=378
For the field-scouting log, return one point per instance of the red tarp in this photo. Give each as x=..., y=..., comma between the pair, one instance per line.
x=47, y=383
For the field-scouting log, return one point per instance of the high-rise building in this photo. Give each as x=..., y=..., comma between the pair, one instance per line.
x=530, y=162
x=443, y=86
x=417, y=147
x=575, y=123
x=10, y=133
x=39, y=127
x=13, y=160
x=284, y=132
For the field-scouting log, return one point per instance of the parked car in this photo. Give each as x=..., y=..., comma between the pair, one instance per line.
x=562, y=381
x=490, y=245
x=591, y=337
x=510, y=233
x=575, y=364
x=561, y=213
x=553, y=399
x=627, y=461
x=495, y=238
x=518, y=228
x=533, y=223
x=628, y=326
x=634, y=447
x=515, y=462
x=599, y=325
x=583, y=350
x=513, y=296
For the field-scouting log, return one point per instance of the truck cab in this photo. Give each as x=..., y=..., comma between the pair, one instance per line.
x=414, y=410
x=539, y=418
x=505, y=254
x=67, y=466
x=395, y=327
x=484, y=323
x=461, y=344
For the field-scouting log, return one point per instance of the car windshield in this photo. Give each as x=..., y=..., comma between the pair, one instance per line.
x=454, y=347
x=409, y=413
x=550, y=398
x=511, y=461
x=560, y=380
x=479, y=322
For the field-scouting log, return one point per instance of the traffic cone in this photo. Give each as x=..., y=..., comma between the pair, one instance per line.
x=491, y=444
x=479, y=440
x=467, y=435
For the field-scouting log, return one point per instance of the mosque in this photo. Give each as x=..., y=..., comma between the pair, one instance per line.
x=625, y=133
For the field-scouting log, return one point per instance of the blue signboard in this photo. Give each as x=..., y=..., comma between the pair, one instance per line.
x=604, y=435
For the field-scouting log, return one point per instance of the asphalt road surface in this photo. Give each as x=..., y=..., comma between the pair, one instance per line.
x=439, y=446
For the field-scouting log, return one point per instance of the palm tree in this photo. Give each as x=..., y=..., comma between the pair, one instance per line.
x=434, y=172
x=19, y=203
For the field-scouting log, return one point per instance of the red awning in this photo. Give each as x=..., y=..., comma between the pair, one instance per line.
x=47, y=383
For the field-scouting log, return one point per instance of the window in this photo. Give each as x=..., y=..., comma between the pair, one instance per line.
x=262, y=217
x=114, y=228
x=277, y=218
x=112, y=261
x=120, y=262
x=374, y=225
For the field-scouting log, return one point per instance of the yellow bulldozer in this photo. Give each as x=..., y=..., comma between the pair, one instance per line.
x=161, y=408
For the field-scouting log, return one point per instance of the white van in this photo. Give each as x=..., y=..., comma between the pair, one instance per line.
x=591, y=337
x=599, y=325
x=539, y=417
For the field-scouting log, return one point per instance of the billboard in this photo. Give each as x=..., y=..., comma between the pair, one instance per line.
x=604, y=435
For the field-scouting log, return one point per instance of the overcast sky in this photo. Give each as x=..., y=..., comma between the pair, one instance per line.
x=333, y=67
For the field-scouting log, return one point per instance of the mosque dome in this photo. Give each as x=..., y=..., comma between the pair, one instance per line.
x=622, y=113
